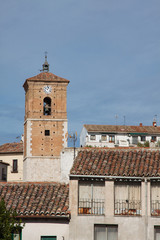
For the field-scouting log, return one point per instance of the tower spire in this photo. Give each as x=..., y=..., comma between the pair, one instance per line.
x=45, y=64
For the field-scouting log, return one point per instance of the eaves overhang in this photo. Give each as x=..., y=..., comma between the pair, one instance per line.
x=140, y=178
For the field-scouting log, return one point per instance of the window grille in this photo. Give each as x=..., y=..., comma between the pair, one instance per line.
x=91, y=198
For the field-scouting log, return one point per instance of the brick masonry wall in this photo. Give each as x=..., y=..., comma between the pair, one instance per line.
x=40, y=144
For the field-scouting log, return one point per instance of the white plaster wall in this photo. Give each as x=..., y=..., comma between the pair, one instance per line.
x=100, y=144
x=34, y=231
x=8, y=158
x=83, y=137
x=129, y=228
x=42, y=169
x=67, y=158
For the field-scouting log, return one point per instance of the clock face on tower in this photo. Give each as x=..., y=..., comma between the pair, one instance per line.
x=47, y=89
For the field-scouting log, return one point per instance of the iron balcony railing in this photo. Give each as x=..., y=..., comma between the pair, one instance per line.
x=127, y=207
x=91, y=206
x=155, y=207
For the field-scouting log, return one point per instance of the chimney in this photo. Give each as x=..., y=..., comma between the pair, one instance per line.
x=154, y=124
x=140, y=124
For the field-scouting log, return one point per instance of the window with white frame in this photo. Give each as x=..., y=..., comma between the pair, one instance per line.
x=143, y=138
x=105, y=232
x=127, y=198
x=134, y=139
x=157, y=233
x=111, y=138
x=91, y=198
x=155, y=198
x=92, y=137
x=17, y=235
x=104, y=137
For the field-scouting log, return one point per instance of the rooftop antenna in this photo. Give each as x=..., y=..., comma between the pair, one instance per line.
x=45, y=64
x=116, y=117
x=73, y=137
x=155, y=118
x=124, y=120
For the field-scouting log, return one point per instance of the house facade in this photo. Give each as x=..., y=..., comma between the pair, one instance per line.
x=115, y=195
x=117, y=135
x=42, y=207
x=12, y=153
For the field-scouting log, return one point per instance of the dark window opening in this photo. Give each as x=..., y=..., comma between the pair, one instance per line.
x=143, y=138
x=47, y=133
x=15, y=165
x=153, y=139
x=47, y=106
x=48, y=237
x=17, y=234
x=4, y=175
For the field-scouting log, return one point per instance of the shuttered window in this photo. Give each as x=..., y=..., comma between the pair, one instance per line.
x=91, y=198
x=155, y=198
x=157, y=233
x=127, y=198
x=104, y=232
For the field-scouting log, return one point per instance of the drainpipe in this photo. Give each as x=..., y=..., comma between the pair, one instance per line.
x=146, y=210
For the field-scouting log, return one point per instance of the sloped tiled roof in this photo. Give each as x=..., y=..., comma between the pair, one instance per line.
x=47, y=76
x=122, y=129
x=129, y=163
x=36, y=199
x=15, y=147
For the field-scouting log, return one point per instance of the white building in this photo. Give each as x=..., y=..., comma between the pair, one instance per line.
x=117, y=135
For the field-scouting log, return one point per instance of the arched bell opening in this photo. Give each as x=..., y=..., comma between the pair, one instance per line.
x=46, y=106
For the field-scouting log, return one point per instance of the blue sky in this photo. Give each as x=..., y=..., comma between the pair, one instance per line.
x=109, y=50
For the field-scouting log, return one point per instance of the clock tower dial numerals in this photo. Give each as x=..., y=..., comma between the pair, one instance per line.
x=47, y=89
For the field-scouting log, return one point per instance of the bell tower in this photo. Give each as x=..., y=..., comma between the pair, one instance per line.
x=45, y=126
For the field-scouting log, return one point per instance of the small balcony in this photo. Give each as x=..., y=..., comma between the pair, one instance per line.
x=91, y=206
x=128, y=207
x=155, y=207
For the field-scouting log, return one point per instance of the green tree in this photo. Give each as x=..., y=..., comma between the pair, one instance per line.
x=8, y=222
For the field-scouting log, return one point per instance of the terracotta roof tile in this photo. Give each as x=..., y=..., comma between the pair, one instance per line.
x=122, y=129
x=12, y=147
x=133, y=163
x=36, y=199
x=47, y=76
